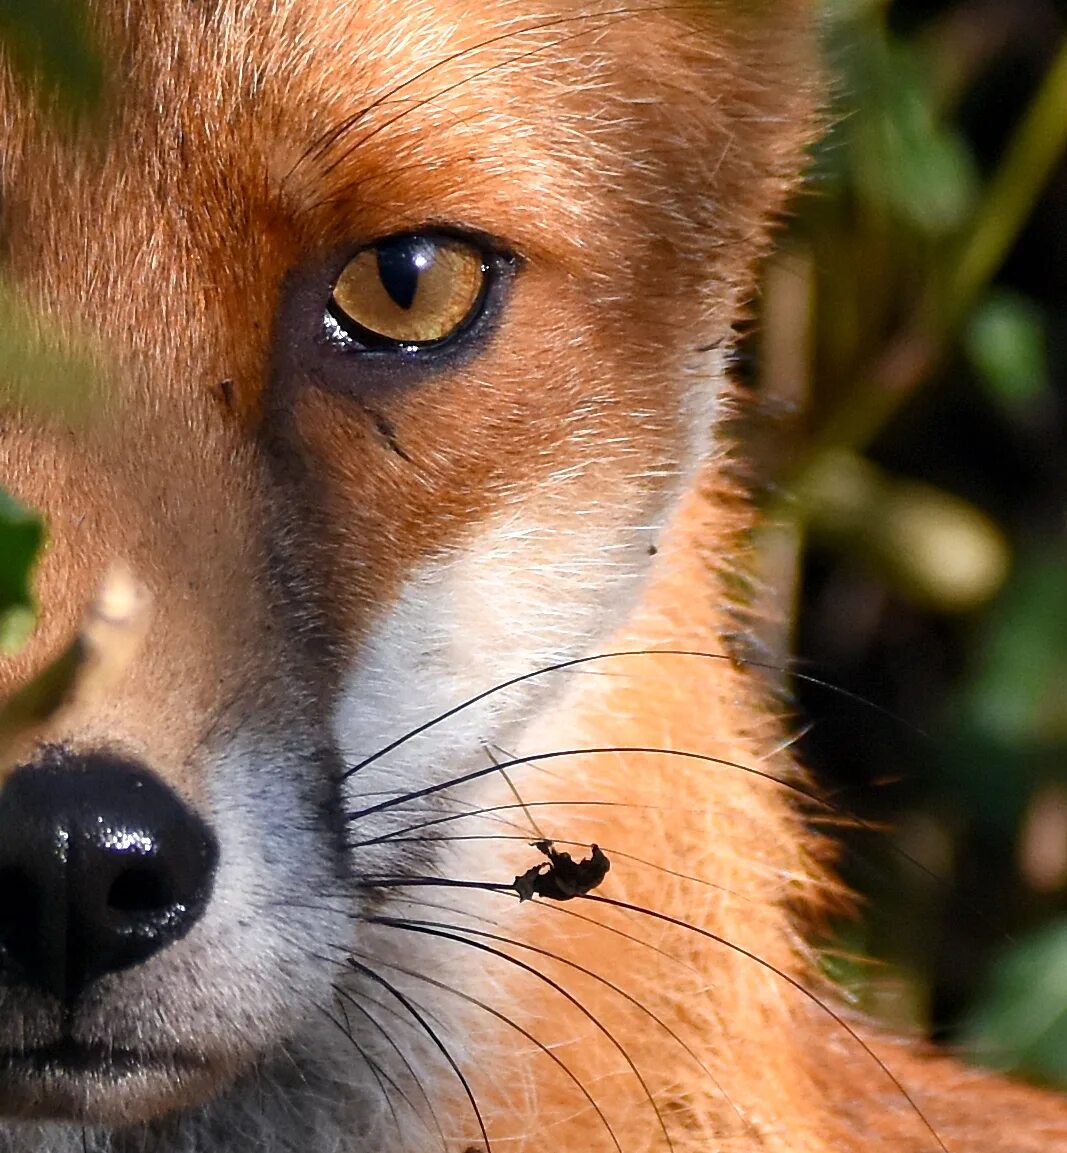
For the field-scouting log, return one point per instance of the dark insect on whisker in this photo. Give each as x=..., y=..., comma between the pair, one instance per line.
x=666, y=918
x=561, y=877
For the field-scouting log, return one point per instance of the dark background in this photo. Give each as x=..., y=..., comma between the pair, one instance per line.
x=910, y=360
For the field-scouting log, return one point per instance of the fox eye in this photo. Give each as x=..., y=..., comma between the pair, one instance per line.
x=408, y=292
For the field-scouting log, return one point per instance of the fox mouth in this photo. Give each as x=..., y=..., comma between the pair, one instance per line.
x=69, y=1080
x=76, y=1059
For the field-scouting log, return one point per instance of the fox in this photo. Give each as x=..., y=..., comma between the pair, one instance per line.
x=430, y=808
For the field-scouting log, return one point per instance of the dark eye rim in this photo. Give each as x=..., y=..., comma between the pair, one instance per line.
x=353, y=339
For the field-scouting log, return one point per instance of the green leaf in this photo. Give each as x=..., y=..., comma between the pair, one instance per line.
x=896, y=155
x=1005, y=341
x=21, y=537
x=1016, y=693
x=54, y=375
x=49, y=40
x=1021, y=1024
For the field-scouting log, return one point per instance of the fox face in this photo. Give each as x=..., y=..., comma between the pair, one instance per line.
x=411, y=323
x=409, y=326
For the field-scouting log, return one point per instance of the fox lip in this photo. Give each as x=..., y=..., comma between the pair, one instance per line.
x=77, y=1059
x=96, y=1083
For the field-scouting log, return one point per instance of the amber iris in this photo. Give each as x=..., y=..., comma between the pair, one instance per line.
x=409, y=291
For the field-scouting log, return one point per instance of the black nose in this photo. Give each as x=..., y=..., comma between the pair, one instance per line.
x=101, y=866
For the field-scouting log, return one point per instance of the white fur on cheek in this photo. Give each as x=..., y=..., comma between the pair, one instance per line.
x=538, y=584
x=520, y=597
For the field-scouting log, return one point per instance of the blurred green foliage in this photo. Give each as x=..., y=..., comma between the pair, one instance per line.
x=47, y=42
x=21, y=536
x=907, y=330
x=1021, y=1024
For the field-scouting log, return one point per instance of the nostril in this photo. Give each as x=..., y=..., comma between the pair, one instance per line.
x=20, y=901
x=139, y=890
x=102, y=866
x=16, y=894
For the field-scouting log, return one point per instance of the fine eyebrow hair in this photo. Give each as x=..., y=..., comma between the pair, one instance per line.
x=333, y=148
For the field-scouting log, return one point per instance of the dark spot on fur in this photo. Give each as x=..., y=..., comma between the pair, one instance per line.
x=388, y=434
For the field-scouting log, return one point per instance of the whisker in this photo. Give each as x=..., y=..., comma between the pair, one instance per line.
x=598, y=750
x=410, y=1006
x=375, y=1069
x=563, y=911
x=391, y=1042
x=489, y=810
x=591, y=658
x=666, y=918
x=628, y=997
x=503, y=1017
x=510, y=62
x=415, y=927
x=538, y=834
x=337, y=133
x=472, y=811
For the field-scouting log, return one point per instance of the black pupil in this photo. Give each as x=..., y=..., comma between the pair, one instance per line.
x=400, y=263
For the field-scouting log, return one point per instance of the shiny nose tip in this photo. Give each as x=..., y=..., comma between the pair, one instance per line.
x=102, y=866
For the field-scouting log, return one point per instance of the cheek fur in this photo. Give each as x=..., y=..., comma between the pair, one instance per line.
x=541, y=582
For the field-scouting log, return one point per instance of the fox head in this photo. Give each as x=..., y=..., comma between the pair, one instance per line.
x=410, y=323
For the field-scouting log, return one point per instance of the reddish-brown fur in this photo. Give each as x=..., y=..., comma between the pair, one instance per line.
x=634, y=160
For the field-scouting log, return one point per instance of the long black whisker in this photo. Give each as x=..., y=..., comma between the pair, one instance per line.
x=558, y=1061
x=513, y=789
x=578, y=662
x=560, y=910
x=813, y=997
x=489, y=810
x=500, y=938
x=375, y=1069
x=414, y=927
x=600, y=750
x=418, y=1016
x=391, y=1042
x=666, y=918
